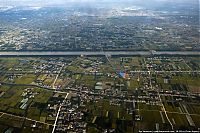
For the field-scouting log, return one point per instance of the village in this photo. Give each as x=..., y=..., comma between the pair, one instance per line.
x=100, y=94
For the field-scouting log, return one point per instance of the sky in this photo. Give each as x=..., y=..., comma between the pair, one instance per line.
x=61, y=2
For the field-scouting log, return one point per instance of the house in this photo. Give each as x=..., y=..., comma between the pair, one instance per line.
x=167, y=79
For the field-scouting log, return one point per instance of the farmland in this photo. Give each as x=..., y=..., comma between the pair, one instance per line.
x=125, y=94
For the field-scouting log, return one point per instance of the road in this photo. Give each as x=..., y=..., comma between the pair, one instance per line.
x=12, y=115
x=32, y=85
x=101, y=53
x=58, y=113
x=53, y=85
x=160, y=99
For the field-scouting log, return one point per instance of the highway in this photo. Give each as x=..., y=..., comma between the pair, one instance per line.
x=101, y=53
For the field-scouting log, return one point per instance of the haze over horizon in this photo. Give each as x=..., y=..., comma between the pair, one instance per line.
x=65, y=2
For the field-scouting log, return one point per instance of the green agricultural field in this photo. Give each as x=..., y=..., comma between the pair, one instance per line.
x=158, y=62
x=11, y=98
x=42, y=77
x=149, y=120
x=48, y=81
x=9, y=62
x=144, y=106
x=179, y=120
x=4, y=88
x=44, y=128
x=196, y=119
x=106, y=68
x=115, y=116
x=104, y=79
x=33, y=113
x=26, y=79
x=193, y=108
x=75, y=69
x=88, y=80
x=101, y=108
x=16, y=111
x=10, y=120
x=113, y=107
x=135, y=61
x=43, y=95
x=133, y=84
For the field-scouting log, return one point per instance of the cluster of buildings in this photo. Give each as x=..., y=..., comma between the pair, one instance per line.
x=118, y=29
x=69, y=118
x=27, y=94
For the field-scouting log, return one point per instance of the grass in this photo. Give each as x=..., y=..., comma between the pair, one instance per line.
x=43, y=95
x=166, y=86
x=158, y=62
x=33, y=113
x=11, y=121
x=88, y=80
x=78, y=76
x=9, y=62
x=16, y=111
x=194, y=109
x=135, y=61
x=150, y=118
x=194, y=89
x=133, y=84
x=42, y=77
x=4, y=88
x=11, y=102
x=193, y=82
x=196, y=119
x=160, y=80
x=186, y=79
x=26, y=79
x=104, y=79
x=75, y=69
x=42, y=119
x=106, y=69
x=171, y=107
x=93, y=130
x=59, y=82
x=11, y=98
x=179, y=119
x=48, y=81
x=144, y=106
x=100, y=109
x=43, y=128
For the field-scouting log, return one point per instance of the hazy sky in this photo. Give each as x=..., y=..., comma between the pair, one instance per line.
x=59, y=2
